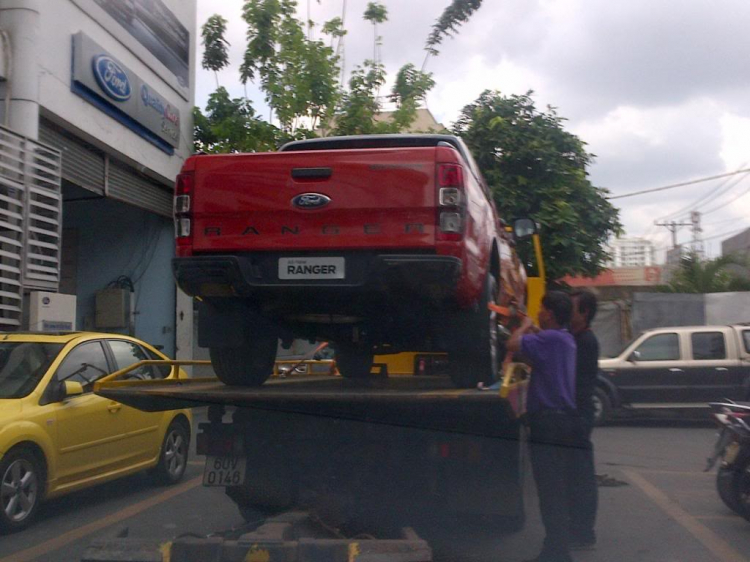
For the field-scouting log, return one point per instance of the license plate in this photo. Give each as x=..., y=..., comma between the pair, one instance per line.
x=224, y=471
x=311, y=268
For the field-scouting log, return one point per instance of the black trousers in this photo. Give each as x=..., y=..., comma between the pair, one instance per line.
x=584, y=494
x=555, y=438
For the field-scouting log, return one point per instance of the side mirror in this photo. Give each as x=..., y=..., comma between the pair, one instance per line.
x=635, y=356
x=71, y=388
x=524, y=228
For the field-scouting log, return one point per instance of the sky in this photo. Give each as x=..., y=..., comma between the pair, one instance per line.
x=659, y=90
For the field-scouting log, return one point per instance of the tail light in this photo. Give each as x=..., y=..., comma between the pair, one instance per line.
x=183, y=212
x=451, y=202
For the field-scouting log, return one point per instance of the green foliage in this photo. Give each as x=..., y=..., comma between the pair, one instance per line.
x=708, y=276
x=360, y=105
x=230, y=125
x=537, y=169
x=298, y=75
x=409, y=90
x=376, y=13
x=455, y=15
x=334, y=28
x=215, y=55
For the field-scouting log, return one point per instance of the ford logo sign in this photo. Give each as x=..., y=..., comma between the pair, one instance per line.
x=111, y=77
x=311, y=201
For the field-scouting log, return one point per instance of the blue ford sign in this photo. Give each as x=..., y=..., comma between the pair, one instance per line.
x=111, y=77
x=311, y=201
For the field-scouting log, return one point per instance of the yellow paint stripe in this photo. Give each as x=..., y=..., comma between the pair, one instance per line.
x=451, y=393
x=71, y=536
x=718, y=547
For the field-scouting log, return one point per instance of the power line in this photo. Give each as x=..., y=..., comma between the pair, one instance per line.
x=740, y=196
x=664, y=188
x=718, y=191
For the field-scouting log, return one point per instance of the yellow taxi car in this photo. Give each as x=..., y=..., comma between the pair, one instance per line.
x=57, y=436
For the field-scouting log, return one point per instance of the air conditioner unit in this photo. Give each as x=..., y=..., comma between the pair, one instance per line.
x=51, y=312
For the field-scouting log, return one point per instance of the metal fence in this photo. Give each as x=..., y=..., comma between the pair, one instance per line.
x=30, y=222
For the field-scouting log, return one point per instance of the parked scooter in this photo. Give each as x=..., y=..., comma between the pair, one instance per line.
x=733, y=448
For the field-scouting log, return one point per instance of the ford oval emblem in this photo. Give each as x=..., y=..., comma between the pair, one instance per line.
x=111, y=77
x=311, y=201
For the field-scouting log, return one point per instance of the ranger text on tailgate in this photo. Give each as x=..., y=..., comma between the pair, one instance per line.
x=379, y=244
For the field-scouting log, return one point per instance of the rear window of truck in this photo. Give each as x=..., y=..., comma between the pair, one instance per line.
x=746, y=337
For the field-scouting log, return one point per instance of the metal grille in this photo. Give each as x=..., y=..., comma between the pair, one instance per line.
x=30, y=213
x=127, y=186
x=83, y=164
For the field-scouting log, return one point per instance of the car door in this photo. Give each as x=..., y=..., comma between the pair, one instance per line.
x=141, y=429
x=713, y=371
x=88, y=430
x=653, y=372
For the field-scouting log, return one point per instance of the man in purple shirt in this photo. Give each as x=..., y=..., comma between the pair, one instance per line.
x=555, y=427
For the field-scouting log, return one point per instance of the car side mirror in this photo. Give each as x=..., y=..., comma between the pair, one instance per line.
x=635, y=356
x=524, y=228
x=71, y=388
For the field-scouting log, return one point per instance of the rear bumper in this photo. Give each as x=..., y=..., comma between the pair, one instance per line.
x=246, y=275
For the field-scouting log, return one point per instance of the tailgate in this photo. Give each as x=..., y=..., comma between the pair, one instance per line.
x=374, y=198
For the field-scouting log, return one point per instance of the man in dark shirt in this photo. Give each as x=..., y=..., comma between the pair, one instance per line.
x=554, y=424
x=584, y=493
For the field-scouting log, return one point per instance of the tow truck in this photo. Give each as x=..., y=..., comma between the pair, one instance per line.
x=316, y=463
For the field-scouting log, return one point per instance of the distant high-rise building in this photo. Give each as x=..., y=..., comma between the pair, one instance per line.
x=631, y=252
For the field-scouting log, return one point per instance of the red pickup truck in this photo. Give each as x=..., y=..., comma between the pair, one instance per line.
x=379, y=244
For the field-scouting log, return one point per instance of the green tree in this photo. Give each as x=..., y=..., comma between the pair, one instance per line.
x=335, y=29
x=231, y=125
x=535, y=168
x=215, y=55
x=376, y=13
x=454, y=16
x=298, y=75
x=360, y=105
x=409, y=90
x=708, y=276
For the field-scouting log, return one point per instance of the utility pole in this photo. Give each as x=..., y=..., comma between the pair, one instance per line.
x=673, y=227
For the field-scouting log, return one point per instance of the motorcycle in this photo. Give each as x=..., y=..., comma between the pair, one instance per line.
x=733, y=448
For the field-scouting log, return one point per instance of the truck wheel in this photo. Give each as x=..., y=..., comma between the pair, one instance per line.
x=354, y=363
x=602, y=406
x=479, y=355
x=249, y=365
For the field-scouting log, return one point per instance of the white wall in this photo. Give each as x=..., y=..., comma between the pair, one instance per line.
x=60, y=20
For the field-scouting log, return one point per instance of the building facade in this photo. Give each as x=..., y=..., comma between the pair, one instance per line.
x=108, y=84
x=631, y=252
x=737, y=244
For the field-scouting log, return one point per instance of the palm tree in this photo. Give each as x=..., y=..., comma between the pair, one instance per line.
x=710, y=276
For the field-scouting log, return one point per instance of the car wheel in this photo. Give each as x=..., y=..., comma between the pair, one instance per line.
x=21, y=487
x=602, y=406
x=480, y=352
x=249, y=365
x=354, y=363
x=173, y=456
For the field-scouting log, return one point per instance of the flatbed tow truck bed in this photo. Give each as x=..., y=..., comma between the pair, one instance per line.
x=371, y=456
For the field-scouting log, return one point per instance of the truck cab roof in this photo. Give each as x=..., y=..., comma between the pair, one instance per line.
x=374, y=141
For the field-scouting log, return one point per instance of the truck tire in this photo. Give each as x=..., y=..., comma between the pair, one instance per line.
x=354, y=363
x=602, y=406
x=479, y=352
x=249, y=365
